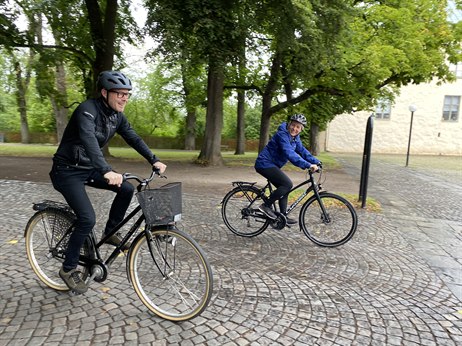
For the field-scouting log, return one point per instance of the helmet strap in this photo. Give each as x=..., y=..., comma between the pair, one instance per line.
x=105, y=98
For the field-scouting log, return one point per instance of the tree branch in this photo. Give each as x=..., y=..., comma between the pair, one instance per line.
x=46, y=46
x=245, y=87
x=304, y=96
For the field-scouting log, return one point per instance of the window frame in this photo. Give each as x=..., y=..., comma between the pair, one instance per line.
x=449, y=108
x=381, y=108
x=456, y=69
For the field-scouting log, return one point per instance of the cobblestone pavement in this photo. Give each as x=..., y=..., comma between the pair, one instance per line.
x=397, y=282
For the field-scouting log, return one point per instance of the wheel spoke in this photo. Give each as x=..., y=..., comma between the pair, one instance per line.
x=331, y=224
x=185, y=289
x=239, y=213
x=44, y=230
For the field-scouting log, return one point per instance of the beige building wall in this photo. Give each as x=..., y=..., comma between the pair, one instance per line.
x=430, y=134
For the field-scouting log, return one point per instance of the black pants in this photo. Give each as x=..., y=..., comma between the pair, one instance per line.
x=71, y=182
x=283, y=185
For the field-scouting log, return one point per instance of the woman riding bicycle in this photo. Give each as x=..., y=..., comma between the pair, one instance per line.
x=79, y=161
x=284, y=146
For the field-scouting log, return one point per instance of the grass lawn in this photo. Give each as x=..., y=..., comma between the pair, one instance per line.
x=248, y=159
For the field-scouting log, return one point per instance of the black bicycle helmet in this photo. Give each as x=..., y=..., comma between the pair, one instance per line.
x=299, y=118
x=113, y=80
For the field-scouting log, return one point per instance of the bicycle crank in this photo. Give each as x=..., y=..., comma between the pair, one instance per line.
x=98, y=273
x=280, y=222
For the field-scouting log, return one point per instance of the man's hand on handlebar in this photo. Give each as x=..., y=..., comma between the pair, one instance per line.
x=160, y=167
x=113, y=178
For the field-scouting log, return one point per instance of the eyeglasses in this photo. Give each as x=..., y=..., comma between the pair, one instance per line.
x=121, y=95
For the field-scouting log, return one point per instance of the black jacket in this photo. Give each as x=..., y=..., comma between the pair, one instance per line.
x=91, y=126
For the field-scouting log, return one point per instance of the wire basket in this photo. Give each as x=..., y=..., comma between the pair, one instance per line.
x=162, y=205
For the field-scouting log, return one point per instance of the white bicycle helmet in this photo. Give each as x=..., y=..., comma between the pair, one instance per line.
x=299, y=118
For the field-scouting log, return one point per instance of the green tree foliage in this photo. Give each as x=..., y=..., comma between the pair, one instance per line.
x=339, y=56
x=86, y=33
x=156, y=106
x=206, y=30
x=320, y=57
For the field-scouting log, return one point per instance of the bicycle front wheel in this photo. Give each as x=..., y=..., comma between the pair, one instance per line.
x=170, y=274
x=47, y=235
x=240, y=212
x=330, y=221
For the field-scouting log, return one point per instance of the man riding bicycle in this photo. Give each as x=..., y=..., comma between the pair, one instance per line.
x=79, y=161
x=284, y=146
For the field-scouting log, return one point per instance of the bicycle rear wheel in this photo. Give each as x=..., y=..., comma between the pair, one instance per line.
x=47, y=237
x=240, y=212
x=170, y=274
x=333, y=227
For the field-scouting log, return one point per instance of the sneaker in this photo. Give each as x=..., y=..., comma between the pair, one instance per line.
x=115, y=240
x=291, y=221
x=73, y=281
x=267, y=211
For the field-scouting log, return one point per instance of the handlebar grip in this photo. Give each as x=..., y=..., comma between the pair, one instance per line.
x=156, y=170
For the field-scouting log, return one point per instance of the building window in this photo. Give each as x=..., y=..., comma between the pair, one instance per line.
x=456, y=69
x=383, y=109
x=451, y=108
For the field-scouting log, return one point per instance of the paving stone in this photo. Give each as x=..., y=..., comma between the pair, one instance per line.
x=398, y=281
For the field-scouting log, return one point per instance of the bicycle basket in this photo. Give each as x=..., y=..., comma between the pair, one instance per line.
x=161, y=205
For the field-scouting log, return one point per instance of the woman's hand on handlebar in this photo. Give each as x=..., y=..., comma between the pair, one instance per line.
x=315, y=168
x=159, y=166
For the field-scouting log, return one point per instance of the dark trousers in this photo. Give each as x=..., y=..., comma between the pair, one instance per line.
x=71, y=182
x=282, y=183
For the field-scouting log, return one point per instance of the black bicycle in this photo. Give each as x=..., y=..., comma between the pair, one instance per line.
x=325, y=218
x=167, y=268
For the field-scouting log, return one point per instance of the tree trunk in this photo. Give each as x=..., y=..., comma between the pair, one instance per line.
x=190, y=137
x=103, y=35
x=211, y=148
x=266, y=102
x=265, y=121
x=102, y=27
x=240, y=133
x=240, y=126
x=61, y=112
x=314, y=139
x=21, y=102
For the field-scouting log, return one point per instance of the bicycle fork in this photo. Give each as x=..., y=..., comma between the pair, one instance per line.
x=155, y=246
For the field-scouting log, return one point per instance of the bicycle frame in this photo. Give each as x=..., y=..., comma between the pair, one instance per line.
x=89, y=261
x=117, y=250
x=325, y=218
x=315, y=187
x=95, y=258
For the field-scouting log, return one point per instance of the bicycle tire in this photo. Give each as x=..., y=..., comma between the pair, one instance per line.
x=186, y=288
x=336, y=231
x=43, y=231
x=240, y=213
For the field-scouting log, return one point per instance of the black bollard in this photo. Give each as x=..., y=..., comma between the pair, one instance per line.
x=366, y=161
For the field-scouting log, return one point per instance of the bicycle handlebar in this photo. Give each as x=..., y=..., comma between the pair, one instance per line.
x=143, y=181
x=316, y=171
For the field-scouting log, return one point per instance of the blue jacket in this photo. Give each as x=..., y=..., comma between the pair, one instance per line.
x=281, y=148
